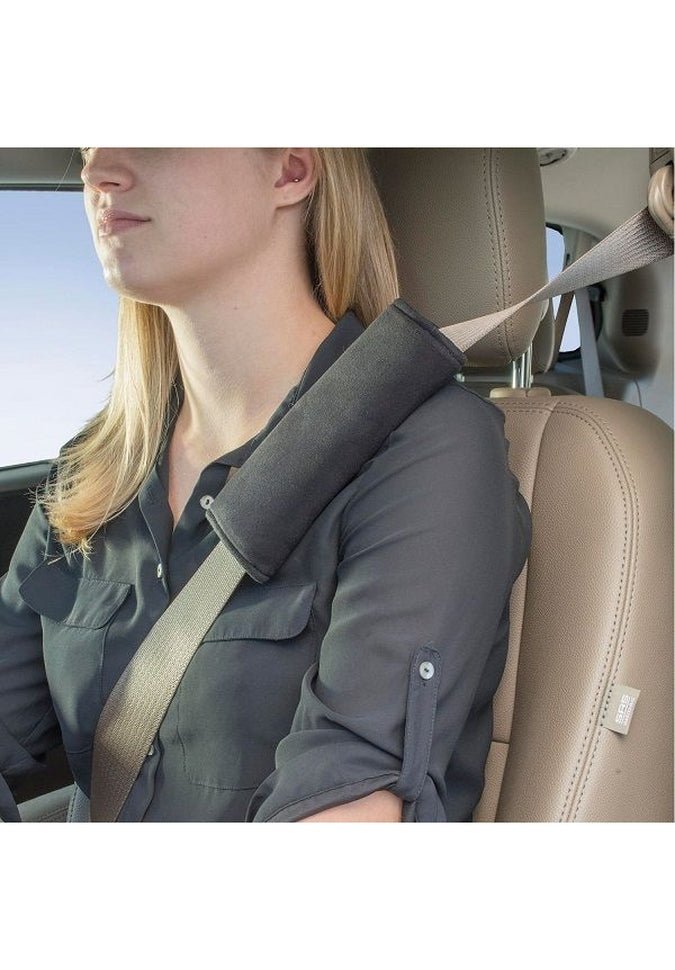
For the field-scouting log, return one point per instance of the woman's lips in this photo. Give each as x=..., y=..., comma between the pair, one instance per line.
x=115, y=226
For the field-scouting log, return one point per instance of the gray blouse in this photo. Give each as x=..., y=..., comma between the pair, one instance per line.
x=368, y=661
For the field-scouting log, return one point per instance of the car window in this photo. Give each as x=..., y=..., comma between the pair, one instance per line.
x=555, y=256
x=58, y=323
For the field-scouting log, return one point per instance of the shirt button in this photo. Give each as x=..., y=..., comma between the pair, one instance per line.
x=151, y=751
x=426, y=670
x=160, y=570
x=206, y=501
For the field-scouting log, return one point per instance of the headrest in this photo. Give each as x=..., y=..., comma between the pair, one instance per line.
x=470, y=235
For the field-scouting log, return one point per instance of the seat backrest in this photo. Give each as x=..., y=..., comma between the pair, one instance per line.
x=591, y=614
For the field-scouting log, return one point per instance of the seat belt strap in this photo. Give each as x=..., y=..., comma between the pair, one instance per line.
x=561, y=316
x=635, y=243
x=263, y=512
x=137, y=703
x=590, y=362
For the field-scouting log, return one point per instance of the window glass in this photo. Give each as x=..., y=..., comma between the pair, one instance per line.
x=58, y=324
x=555, y=256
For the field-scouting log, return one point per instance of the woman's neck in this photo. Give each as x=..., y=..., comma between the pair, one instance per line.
x=235, y=376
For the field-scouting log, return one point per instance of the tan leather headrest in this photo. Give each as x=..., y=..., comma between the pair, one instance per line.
x=470, y=235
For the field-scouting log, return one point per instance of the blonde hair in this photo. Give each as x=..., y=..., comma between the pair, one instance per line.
x=353, y=266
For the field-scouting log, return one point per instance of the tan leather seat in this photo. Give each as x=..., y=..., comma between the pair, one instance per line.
x=592, y=610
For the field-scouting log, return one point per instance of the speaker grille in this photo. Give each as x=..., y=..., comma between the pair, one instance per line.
x=634, y=323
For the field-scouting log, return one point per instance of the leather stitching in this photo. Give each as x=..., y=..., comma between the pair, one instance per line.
x=599, y=424
x=592, y=716
x=507, y=289
x=498, y=331
x=617, y=660
x=504, y=406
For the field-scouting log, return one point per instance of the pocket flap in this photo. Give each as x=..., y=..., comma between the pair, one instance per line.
x=73, y=600
x=264, y=612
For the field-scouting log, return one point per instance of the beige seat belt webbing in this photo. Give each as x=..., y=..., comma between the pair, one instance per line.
x=136, y=706
x=637, y=242
x=138, y=702
x=590, y=362
x=561, y=316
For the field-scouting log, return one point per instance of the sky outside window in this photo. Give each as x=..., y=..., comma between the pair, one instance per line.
x=58, y=324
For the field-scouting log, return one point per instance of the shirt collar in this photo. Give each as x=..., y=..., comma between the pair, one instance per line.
x=345, y=332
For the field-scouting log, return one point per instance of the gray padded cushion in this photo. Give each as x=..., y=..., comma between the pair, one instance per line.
x=341, y=421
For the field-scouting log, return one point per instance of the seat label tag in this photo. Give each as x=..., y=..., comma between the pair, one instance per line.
x=619, y=710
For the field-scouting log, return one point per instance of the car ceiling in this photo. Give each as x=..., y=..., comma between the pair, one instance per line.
x=594, y=189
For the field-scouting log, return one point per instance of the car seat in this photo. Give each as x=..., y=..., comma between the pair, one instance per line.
x=591, y=613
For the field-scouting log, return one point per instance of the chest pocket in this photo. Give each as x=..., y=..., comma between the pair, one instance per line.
x=240, y=691
x=76, y=614
x=264, y=612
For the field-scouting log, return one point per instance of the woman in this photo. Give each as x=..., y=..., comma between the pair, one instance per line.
x=243, y=274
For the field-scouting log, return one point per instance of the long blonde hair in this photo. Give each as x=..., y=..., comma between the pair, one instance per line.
x=353, y=266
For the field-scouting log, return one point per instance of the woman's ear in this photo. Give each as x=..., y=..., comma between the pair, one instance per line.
x=298, y=173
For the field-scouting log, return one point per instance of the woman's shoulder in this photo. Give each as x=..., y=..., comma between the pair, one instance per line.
x=452, y=405
x=454, y=424
x=450, y=450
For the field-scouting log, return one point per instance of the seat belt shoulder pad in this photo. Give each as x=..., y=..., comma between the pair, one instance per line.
x=323, y=440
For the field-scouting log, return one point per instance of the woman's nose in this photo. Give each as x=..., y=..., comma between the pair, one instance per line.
x=105, y=167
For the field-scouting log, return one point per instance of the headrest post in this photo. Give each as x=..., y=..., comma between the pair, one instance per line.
x=521, y=370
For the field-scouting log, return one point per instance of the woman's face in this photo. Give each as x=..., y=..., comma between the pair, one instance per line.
x=207, y=212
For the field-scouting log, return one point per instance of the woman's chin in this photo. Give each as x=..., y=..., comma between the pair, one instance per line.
x=135, y=289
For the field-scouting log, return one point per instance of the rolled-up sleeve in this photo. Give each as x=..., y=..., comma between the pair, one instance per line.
x=28, y=723
x=432, y=540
